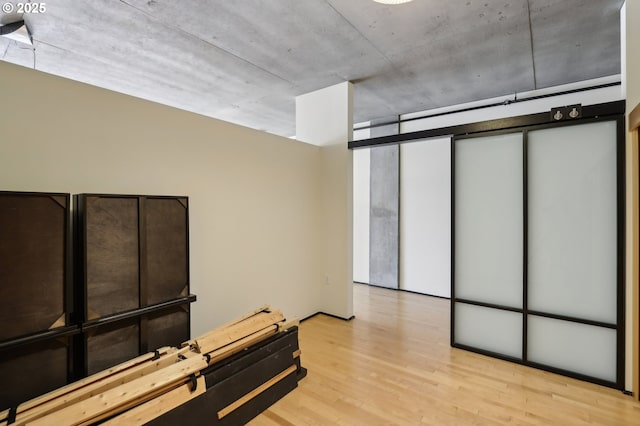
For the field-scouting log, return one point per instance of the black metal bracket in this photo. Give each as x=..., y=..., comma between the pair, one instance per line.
x=194, y=382
x=11, y=417
x=569, y=112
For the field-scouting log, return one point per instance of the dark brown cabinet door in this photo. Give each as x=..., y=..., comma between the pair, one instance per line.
x=33, y=256
x=111, y=255
x=167, y=249
x=111, y=344
x=31, y=370
x=35, y=295
x=133, y=274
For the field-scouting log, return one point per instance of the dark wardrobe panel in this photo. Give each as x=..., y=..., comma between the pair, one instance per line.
x=33, y=230
x=112, y=344
x=33, y=256
x=167, y=249
x=123, y=290
x=111, y=238
x=169, y=327
x=133, y=270
x=32, y=370
x=135, y=251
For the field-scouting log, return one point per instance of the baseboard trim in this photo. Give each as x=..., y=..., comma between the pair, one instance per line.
x=329, y=315
x=403, y=290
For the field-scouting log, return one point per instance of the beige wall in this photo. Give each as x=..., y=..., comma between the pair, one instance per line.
x=337, y=294
x=325, y=118
x=255, y=234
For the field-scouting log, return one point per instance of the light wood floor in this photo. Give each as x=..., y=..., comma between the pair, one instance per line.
x=393, y=365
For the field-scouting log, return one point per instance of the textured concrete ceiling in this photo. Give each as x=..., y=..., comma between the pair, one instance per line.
x=245, y=61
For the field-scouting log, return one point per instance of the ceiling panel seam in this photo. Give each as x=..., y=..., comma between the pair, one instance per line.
x=362, y=35
x=533, y=59
x=32, y=49
x=173, y=27
x=73, y=52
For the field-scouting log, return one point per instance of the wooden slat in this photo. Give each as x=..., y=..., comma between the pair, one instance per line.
x=222, y=337
x=295, y=322
x=257, y=391
x=88, y=380
x=239, y=345
x=143, y=399
x=158, y=406
x=229, y=333
x=96, y=388
x=194, y=342
x=245, y=321
x=108, y=402
x=634, y=118
x=297, y=353
x=131, y=404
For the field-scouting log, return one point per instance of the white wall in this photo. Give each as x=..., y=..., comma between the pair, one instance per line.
x=337, y=214
x=325, y=117
x=256, y=231
x=361, y=206
x=590, y=97
x=425, y=217
x=623, y=48
x=362, y=134
x=632, y=58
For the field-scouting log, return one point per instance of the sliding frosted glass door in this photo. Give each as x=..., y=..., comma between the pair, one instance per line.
x=538, y=247
x=572, y=248
x=488, y=240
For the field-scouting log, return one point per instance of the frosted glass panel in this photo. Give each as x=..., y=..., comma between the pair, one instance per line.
x=425, y=217
x=489, y=329
x=572, y=221
x=489, y=219
x=579, y=348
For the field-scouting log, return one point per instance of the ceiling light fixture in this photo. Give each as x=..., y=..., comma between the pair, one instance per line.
x=392, y=1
